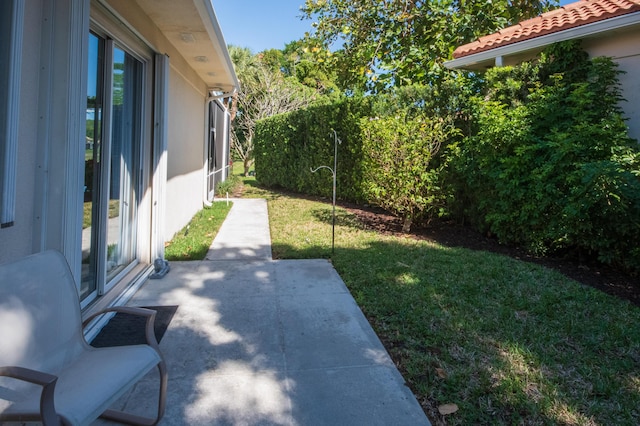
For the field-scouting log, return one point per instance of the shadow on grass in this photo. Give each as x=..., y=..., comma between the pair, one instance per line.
x=342, y=217
x=250, y=182
x=508, y=342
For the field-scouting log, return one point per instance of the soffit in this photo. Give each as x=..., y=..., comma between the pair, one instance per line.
x=192, y=28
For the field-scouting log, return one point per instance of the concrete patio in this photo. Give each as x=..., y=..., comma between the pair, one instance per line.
x=261, y=342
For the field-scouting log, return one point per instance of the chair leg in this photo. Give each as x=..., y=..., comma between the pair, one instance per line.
x=132, y=419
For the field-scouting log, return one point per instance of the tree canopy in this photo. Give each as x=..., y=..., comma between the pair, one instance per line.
x=305, y=62
x=264, y=91
x=402, y=42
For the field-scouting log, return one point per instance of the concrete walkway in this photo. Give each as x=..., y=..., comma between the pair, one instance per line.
x=261, y=342
x=245, y=234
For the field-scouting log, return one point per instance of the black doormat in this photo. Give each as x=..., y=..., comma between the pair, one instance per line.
x=126, y=329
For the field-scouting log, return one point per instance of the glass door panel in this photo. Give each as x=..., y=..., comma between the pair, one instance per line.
x=112, y=165
x=95, y=85
x=123, y=161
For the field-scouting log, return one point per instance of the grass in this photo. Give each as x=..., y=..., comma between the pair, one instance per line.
x=228, y=186
x=114, y=210
x=506, y=341
x=194, y=240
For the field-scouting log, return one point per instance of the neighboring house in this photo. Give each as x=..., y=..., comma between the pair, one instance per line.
x=113, y=131
x=606, y=27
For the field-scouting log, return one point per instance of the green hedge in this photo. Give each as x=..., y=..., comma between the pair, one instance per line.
x=551, y=166
x=540, y=158
x=402, y=168
x=288, y=146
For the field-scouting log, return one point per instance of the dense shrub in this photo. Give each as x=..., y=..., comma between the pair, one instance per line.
x=288, y=146
x=401, y=173
x=448, y=100
x=552, y=168
x=540, y=158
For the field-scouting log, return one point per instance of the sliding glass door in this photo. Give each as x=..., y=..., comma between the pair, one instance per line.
x=112, y=164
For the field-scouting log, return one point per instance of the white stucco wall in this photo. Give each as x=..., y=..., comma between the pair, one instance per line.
x=624, y=48
x=16, y=241
x=622, y=45
x=186, y=125
x=631, y=84
x=51, y=130
x=186, y=136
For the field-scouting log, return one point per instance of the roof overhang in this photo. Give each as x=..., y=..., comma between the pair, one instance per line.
x=192, y=27
x=526, y=48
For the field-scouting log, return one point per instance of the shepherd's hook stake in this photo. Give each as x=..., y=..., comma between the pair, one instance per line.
x=336, y=141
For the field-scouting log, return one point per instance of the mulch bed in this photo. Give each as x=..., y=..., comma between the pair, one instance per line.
x=450, y=234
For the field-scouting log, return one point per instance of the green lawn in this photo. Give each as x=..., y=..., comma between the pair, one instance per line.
x=506, y=341
x=114, y=211
x=194, y=240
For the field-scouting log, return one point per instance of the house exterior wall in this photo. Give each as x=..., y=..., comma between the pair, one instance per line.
x=624, y=48
x=16, y=241
x=52, y=84
x=186, y=128
x=620, y=44
x=50, y=187
x=185, y=174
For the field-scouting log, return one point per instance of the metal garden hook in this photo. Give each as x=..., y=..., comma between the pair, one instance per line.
x=336, y=141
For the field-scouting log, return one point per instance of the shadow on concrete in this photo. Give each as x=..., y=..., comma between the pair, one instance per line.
x=270, y=343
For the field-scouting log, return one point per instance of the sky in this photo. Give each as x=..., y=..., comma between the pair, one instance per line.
x=261, y=24
x=265, y=24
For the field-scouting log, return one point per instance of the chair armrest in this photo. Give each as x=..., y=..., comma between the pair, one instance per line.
x=48, y=383
x=149, y=327
x=28, y=375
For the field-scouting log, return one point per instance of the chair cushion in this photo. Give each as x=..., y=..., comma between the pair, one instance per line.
x=40, y=319
x=41, y=329
x=92, y=383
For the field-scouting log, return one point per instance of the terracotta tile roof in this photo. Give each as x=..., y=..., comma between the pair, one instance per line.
x=569, y=16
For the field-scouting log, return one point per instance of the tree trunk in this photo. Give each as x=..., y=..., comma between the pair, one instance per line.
x=234, y=107
x=406, y=225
